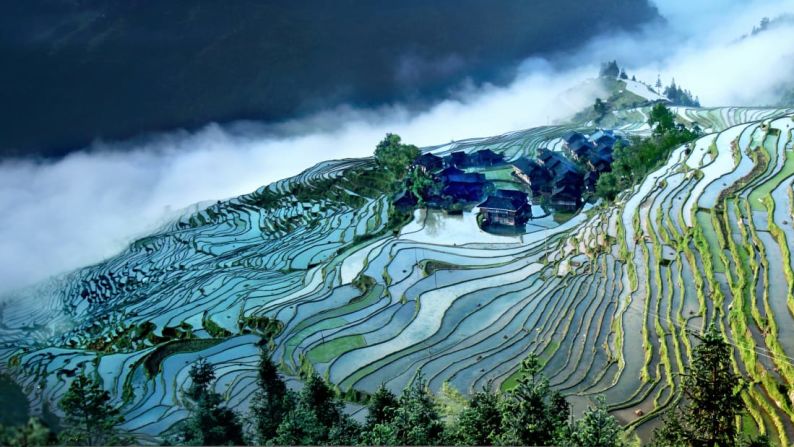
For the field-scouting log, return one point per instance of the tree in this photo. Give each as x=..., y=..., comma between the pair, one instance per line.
x=600, y=107
x=661, y=119
x=32, y=433
x=415, y=421
x=202, y=374
x=480, y=422
x=596, y=428
x=209, y=422
x=394, y=156
x=623, y=74
x=607, y=186
x=317, y=418
x=271, y=401
x=609, y=70
x=533, y=414
x=300, y=426
x=712, y=399
x=381, y=407
x=89, y=418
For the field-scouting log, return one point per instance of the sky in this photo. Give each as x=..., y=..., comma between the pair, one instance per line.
x=64, y=214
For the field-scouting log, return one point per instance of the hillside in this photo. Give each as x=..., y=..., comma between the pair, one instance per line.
x=605, y=297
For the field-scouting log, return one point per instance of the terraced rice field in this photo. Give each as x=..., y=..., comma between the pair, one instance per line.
x=607, y=298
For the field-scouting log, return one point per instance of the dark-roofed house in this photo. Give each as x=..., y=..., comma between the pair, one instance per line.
x=445, y=173
x=456, y=159
x=571, y=136
x=518, y=197
x=565, y=197
x=505, y=207
x=537, y=177
x=405, y=201
x=485, y=158
x=464, y=187
x=552, y=160
x=600, y=161
x=569, y=175
x=428, y=162
x=603, y=136
x=579, y=149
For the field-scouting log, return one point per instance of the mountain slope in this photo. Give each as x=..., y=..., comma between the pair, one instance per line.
x=606, y=298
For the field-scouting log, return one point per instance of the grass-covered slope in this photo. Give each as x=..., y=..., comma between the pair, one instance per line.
x=311, y=267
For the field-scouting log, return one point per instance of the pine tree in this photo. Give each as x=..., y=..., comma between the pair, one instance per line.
x=209, y=422
x=480, y=422
x=271, y=402
x=596, y=428
x=89, y=418
x=416, y=421
x=712, y=396
x=661, y=119
x=381, y=407
x=301, y=426
x=317, y=418
x=609, y=70
x=32, y=433
x=533, y=414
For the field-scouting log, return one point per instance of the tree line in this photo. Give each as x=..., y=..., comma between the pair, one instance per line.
x=531, y=413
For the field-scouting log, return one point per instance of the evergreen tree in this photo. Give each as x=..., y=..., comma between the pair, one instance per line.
x=301, y=426
x=658, y=82
x=202, y=374
x=381, y=407
x=415, y=421
x=600, y=107
x=712, y=399
x=661, y=119
x=89, y=418
x=609, y=70
x=533, y=414
x=596, y=428
x=317, y=418
x=271, y=401
x=480, y=422
x=623, y=74
x=32, y=433
x=209, y=422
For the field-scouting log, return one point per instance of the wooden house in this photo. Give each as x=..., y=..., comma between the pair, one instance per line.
x=428, y=162
x=533, y=174
x=565, y=197
x=485, y=158
x=505, y=207
x=456, y=159
x=464, y=187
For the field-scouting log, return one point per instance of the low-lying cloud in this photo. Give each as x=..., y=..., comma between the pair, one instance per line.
x=60, y=215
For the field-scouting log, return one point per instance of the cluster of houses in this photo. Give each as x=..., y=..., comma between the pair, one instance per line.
x=560, y=178
x=564, y=177
x=453, y=184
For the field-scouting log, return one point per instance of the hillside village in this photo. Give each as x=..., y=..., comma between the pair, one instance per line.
x=503, y=193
